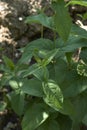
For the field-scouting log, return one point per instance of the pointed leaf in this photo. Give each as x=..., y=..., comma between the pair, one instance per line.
x=50, y=56
x=40, y=19
x=64, y=122
x=49, y=125
x=38, y=44
x=78, y=2
x=9, y=63
x=80, y=106
x=77, y=86
x=74, y=43
x=31, y=70
x=68, y=79
x=42, y=74
x=32, y=87
x=53, y=95
x=62, y=19
x=78, y=31
x=34, y=117
x=17, y=102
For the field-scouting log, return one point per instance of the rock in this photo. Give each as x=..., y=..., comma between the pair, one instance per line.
x=12, y=16
x=14, y=33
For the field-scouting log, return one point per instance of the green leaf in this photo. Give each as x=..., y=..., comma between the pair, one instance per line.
x=80, y=106
x=64, y=122
x=34, y=117
x=75, y=126
x=53, y=95
x=67, y=77
x=8, y=62
x=32, y=87
x=41, y=19
x=68, y=109
x=36, y=45
x=84, y=16
x=6, y=77
x=59, y=70
x=78, y=31
x=35, y=68
x=14, y=84
x=62, y=19
x=69, y=57
x=42, y=74
x=49, y=56
x=78, y=2
x=77, y=86
x=2, y=106
x=49, y=124
x=31, y=70
x=17, y=102
x=85, y=120
x=75, y=108
x=74, y=43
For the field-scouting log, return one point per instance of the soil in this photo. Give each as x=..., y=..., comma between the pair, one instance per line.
x=14, y=34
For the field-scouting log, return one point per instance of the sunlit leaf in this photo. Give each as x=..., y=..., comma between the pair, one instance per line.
x=78, y=2
x=53, y=95
x=34, y=117
x=49, y=124
x=14, y=84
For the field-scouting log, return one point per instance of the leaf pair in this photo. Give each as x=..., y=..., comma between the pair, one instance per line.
x=60, y=22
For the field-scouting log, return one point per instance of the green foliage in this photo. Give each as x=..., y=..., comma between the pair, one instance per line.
x=62, y=19
x=51, y=92
x=41, y=19
x=53, y=95
x=78, y=2
x=17, y=102
x=2, y=106
x=34, y=117
x=85, y=120
x=49, y=124
x=33, y=87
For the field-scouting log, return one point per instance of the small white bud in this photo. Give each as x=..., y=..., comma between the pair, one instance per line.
x=20, y=18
